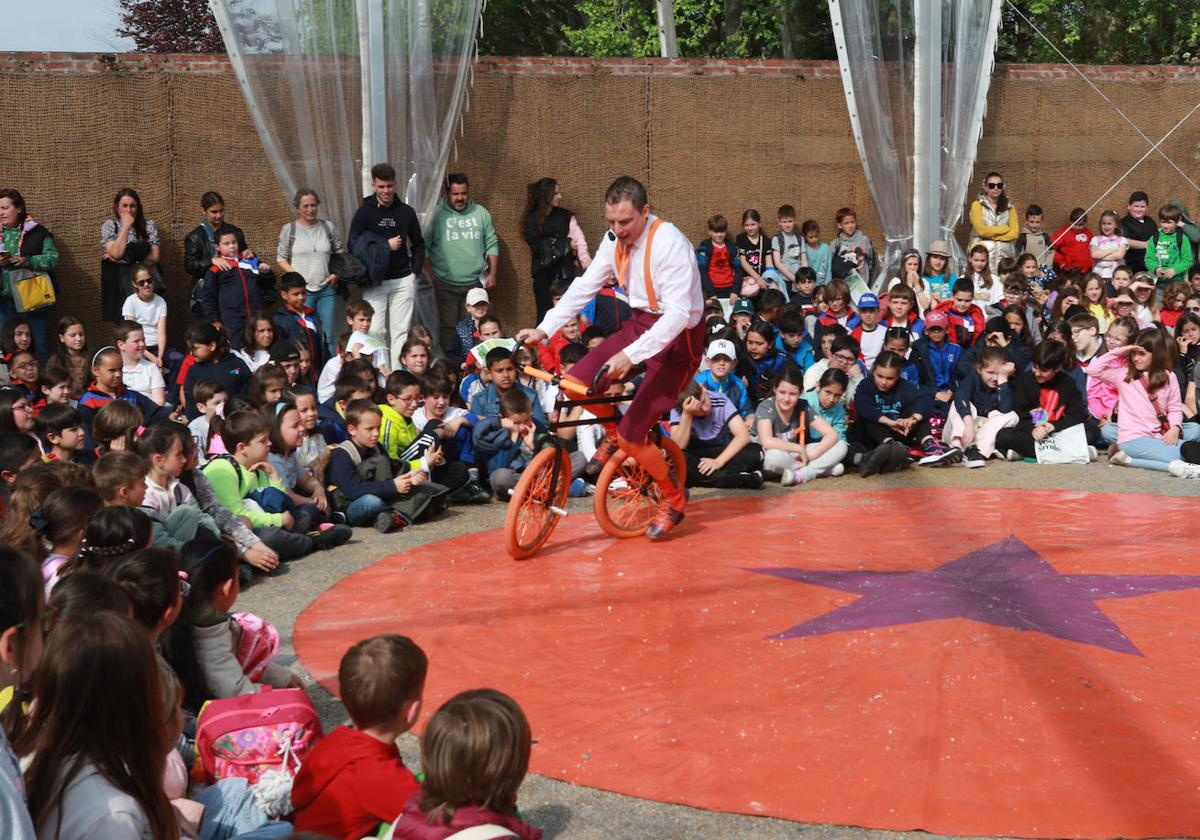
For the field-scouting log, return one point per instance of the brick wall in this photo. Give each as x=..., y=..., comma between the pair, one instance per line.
x=707, y=136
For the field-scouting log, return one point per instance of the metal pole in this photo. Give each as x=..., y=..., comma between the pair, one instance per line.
x=667, y=45
x=927, y=122
x=374, y=102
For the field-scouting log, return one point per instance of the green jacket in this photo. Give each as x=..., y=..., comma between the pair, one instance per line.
x=232, y=484
x=1169, y=251
x=458, y=244
x=396, y=433
x=45, y=260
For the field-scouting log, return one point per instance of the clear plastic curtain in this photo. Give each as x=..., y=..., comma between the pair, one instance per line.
x=876, y=43
x=301, y=67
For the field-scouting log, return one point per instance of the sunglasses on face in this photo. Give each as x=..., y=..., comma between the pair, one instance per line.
x=995, y=185
x=140, y=283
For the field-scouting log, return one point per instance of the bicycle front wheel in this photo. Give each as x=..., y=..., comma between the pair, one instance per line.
x=627, y=496
x=531, y=517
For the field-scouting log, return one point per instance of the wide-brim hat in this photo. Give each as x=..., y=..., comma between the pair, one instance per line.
x=940, y=247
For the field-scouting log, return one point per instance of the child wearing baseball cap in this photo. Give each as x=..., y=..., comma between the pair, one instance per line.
x=466, y=331
x=720, y=378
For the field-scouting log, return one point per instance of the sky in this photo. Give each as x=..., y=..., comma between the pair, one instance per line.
x=61, y=26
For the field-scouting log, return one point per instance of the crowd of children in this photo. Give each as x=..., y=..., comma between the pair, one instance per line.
x=150, y=485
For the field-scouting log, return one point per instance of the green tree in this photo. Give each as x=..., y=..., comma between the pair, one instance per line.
x=1101, y=32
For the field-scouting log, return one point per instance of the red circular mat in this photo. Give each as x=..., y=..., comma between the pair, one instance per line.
x=961, y=661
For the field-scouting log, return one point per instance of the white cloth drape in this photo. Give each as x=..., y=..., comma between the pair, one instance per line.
x=875, y=41
x=298, y=64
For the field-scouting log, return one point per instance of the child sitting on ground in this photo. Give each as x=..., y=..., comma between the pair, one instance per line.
x=1045, y=399
x=204, y=643
x=475, y=753
x=361, y=473
x=354, y=778
x=982, y=406
x=169, y=502
x=213, y=361
x=892, y=419
x=507, y=442
x=785, y=423
x=62, y=432
x=246, y=483
x=715, y=441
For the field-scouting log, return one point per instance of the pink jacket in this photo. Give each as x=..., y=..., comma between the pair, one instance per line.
x=1138, y=415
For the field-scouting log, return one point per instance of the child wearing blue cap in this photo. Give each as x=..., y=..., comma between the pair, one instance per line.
x=869, y=334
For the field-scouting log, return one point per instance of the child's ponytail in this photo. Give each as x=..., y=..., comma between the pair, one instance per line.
x=209, y=562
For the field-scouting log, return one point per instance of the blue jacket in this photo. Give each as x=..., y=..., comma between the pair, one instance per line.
x=732, y=388
x=331, y=423
x=943, y=361
x=373, y=251
x=294, y=327
x=230, y=370
x=233, y=294
x=803, y=356
x=493, y=442
x=487, y=404
x=972, y=392
x=904, y=400
x=767, y=368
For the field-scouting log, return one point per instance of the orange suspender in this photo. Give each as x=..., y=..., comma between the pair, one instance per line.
x=622, y=257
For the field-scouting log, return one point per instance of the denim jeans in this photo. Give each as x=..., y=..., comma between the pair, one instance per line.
x=364, y=510
x=1151, y=453
x=324, y=302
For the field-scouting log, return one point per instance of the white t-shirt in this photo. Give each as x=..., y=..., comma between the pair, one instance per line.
x=872, y=344
x=254, y=360
x=147, y=313
x=143, y=377
x=1105, y=268
x=420, y=418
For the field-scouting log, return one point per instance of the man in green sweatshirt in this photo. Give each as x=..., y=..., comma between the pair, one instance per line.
x=462, y=252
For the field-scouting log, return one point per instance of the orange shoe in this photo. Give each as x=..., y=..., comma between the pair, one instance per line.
x=604, y=451
x=670, y=514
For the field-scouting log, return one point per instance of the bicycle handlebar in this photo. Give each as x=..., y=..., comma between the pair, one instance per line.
x=566, y=383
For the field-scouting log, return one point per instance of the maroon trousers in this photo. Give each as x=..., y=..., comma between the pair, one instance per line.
x=666, y=373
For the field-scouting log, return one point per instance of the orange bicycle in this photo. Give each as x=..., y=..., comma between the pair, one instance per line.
x=626, y=497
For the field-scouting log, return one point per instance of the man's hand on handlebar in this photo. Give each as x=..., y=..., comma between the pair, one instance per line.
x=530, y=335
x=618, y=366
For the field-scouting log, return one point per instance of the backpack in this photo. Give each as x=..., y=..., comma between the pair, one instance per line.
x=244, y=737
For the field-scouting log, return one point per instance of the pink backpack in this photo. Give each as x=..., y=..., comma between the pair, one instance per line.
x=246, y=736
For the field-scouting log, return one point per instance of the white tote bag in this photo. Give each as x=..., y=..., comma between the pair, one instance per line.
x=1069, y=446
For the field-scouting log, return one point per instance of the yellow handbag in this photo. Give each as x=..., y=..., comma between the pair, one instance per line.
x=30, y=289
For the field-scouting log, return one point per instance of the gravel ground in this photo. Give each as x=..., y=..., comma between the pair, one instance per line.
x=578, y=813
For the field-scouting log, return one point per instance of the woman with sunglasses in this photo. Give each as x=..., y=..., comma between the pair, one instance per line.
x=995, y=223
x=126, y=240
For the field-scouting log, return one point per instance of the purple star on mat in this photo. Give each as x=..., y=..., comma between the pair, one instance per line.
x=1007, y=584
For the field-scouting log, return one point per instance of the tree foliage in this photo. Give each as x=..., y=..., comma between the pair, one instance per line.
x=1101, y=32
x=170, y=26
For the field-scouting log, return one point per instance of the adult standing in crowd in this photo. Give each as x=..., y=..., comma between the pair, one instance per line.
x=200, y=247
x=305, y=246
x=1137, y=226
x=994, y=221
x=385, y=222
x=463, y=252
x=126, y=239
x=27, y=245
x=555, y=240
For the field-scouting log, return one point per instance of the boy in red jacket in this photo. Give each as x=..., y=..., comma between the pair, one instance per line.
x=1072, y=248
x=353, y=779
x=966, y=319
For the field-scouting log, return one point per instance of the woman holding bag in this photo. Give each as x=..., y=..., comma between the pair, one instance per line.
x=27, y=247
x=125, y=240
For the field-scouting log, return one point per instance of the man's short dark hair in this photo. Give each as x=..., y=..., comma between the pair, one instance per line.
x=383, y=172
x=456, y=178
x=628, y=189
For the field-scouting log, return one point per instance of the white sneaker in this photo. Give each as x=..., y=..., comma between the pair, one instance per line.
x=836, y=470
x=1012, y=455
x=1092, y=453
x=789, y=478
x=1121, y=458
x=1182, y=469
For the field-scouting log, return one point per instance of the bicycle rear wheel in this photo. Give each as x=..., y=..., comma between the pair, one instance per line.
x=627, y=497
x=530, y=517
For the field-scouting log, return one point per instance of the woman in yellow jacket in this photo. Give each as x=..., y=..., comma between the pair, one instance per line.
x=994, y=221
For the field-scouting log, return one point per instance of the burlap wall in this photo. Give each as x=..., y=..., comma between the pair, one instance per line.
x=702, y=144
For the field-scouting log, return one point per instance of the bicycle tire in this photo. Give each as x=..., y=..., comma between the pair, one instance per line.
x=627, y=510
x=530, y=520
